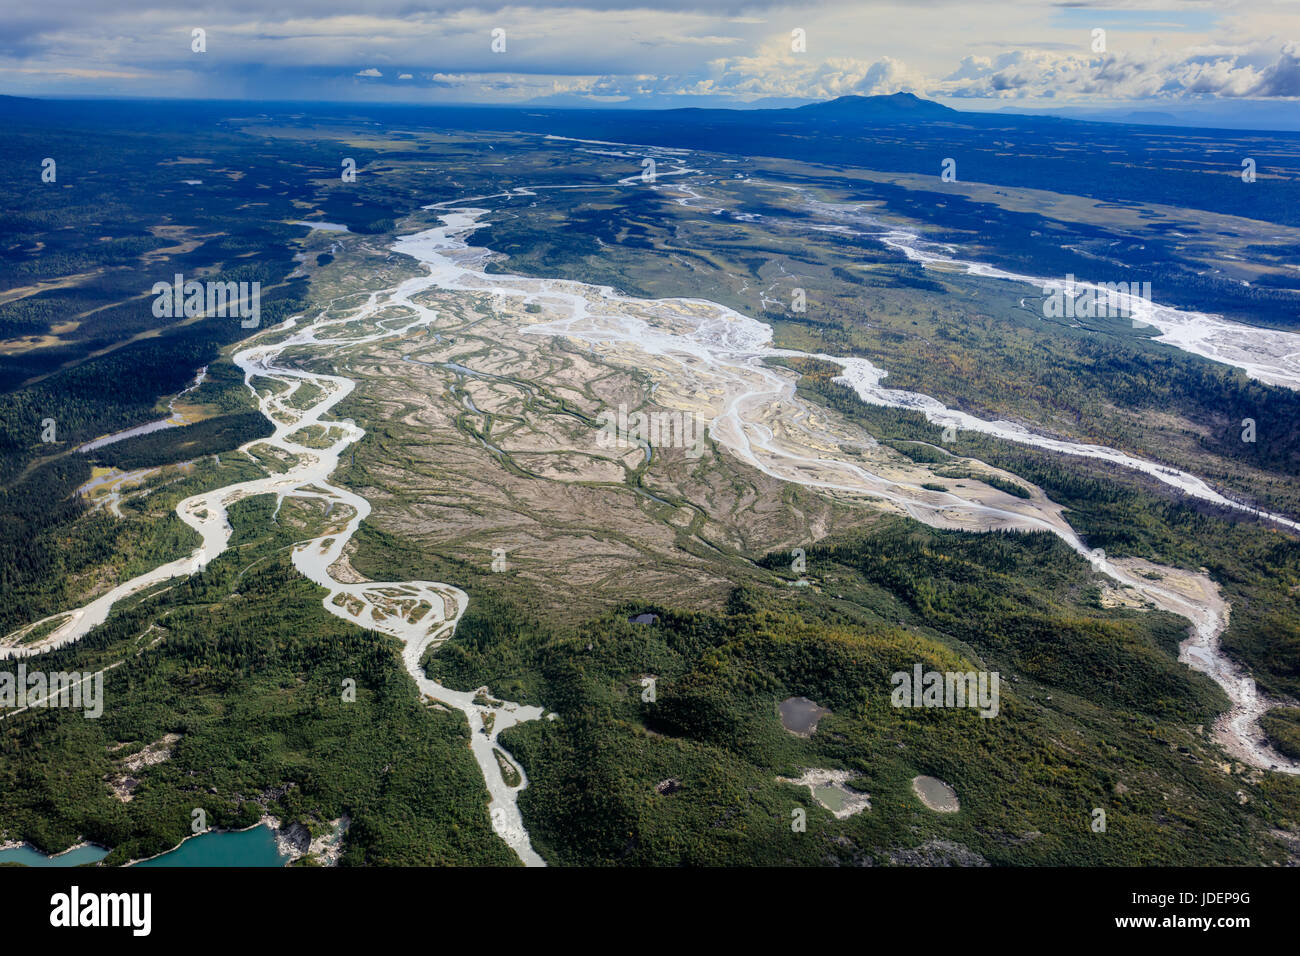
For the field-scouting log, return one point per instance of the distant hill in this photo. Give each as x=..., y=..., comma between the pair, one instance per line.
x=852, y=110
x=892, y=108
x=1152, y=118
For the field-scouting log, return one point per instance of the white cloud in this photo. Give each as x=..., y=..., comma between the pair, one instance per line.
x=1153, y=74
x=1282, y=78
x=613, y=49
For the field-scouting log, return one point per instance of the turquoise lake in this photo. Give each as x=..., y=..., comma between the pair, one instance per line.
x=255, y=847
x=29, y=857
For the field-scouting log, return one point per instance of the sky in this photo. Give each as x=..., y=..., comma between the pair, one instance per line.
x=974, y=54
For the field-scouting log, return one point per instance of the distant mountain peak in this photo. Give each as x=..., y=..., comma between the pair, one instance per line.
x=891, y=106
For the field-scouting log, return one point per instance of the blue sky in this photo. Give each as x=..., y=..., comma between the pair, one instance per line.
x=973, y=53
